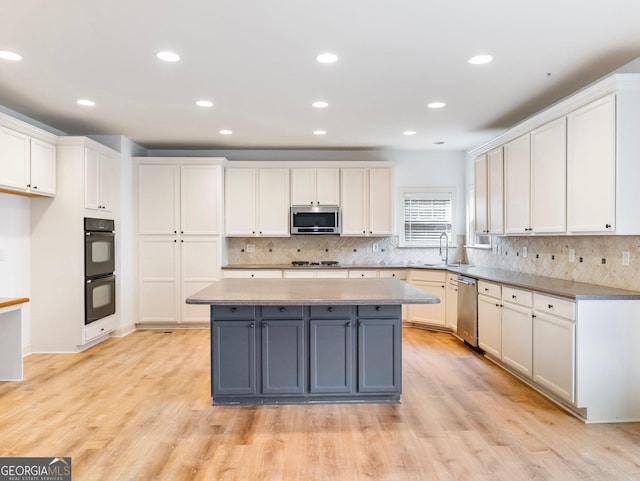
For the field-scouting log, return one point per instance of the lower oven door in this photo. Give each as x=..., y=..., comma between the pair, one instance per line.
x=99, y=298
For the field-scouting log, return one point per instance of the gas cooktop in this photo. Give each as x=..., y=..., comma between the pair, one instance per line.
x=314, y=264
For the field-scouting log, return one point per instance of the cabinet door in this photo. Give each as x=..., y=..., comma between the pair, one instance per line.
x=554, y=354
x=240, y=202
x=92, y=180
x=159, y=277
x=273, y=203
x=283, y=355
x=14, y=160
x=43, y=167
x=591, y=167
x=158, y=187
x=452, y=307
x=233, y=348
x=379, y=355
x=200, y=267
x=430, y=313
x=517, y=338
x=480, y=192
x=490, y=326
x=303, y=186
x=354, y=195
x=495, y=191
x=105, y=188
x=199, y=199
x=331, y=356
x=517, y=185
x=549, y=178
x=380, y=202
x=328, y=186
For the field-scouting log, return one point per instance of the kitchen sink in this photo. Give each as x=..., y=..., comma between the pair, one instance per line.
x=439, y=264
x=460, y=265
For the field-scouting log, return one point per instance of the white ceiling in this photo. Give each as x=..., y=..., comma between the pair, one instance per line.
x=256, y=61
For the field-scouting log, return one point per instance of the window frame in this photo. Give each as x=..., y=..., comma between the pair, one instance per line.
x=421, y=193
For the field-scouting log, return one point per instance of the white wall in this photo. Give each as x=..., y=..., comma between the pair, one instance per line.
x=15, y=269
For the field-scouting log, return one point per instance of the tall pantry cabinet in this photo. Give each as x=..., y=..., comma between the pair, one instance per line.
x=179, y=211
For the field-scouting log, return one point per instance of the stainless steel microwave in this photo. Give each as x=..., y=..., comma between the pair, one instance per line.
x=307, y=219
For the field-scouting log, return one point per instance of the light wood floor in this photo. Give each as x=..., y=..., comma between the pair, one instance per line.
x=138, y=408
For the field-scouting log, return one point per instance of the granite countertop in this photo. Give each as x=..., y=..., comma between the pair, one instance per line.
x=311, y=292
x=547, y=285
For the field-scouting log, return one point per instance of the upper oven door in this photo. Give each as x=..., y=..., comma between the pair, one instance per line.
x=99, y=254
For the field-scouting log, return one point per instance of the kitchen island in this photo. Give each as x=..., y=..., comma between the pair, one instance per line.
x=307, y=340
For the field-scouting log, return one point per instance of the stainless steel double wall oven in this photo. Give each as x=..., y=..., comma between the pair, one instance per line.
x=99, y=269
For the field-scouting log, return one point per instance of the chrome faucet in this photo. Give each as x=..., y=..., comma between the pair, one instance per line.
x=446, y=247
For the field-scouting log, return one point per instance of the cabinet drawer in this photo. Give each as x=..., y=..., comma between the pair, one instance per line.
x=366, y=273
x=232, y=312
x=282, y=312
x=427, y=275
x=490, y=289
x=517, y=296
x=330, y=312
x=379, y=311
x=398, y=274
x=554, y=305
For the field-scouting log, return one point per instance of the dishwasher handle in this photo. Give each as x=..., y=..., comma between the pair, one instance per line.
x=466, y=281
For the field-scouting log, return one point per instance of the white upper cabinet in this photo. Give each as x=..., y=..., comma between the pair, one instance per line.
x=158, y=187
x=200, y=199
x=311, y=186
x=27, y=165
x=517, y=164
x=549, y=178
x=43, y=167
x=591, y=166
x=495, y=191
x=98, y=171
x=367, y=201
x=256, y=202
x=480, y=171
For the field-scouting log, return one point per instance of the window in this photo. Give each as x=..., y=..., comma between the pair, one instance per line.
x=426, y=215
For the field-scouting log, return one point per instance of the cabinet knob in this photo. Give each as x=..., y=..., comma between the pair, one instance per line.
x=330, y=309
x=234, y=309
x=393, y=275
x=378, y=308
x=348, y=324
x=486, y=289
x=361, y=275
x=252, y=275
x=550, y=306
x=607, y=226
x=252, y=325
x=264, y=324
x=29, y=185
x=35, y=187
x=513, y=296
x=497, y=305
x=282, y=309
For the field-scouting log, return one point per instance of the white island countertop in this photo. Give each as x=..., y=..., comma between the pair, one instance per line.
x=311, y=292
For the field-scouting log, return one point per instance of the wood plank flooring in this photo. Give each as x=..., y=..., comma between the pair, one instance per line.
x=138, y=408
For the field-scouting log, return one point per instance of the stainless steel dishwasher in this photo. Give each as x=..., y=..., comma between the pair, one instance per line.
x=468, y=310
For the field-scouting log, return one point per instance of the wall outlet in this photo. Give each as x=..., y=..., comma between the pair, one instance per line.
x=626, y=258
x=524, y=251
x=375, y=247
x=251, y=247
x=572, y=255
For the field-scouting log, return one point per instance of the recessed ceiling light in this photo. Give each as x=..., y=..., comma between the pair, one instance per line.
x=86, y=102
x=480, y=59
x=5, y=54
x=327, y=58
x=439, y=142
x=226, y=132
x=319, y=132
x=436, y=105
x=168, y=56
x=204, y=103
x=320, y=104
x=409, y=132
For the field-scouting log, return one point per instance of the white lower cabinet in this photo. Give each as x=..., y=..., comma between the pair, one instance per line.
x=452, y=302
x=252, y=273
x=171, y=270
x=517, y=329
x=434, y=283
x=490, y=318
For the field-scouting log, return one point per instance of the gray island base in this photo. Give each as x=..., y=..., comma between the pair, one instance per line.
x=307, y=340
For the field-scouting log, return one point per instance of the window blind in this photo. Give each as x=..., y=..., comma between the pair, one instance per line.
x=426, y=217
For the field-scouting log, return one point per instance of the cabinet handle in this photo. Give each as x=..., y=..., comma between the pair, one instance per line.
x=330, y=309
x=282, y=309
x=378, y=308
x=533, y=316
x=252, y=325
x=348, y=324
x=234, y=309
x=607, y=226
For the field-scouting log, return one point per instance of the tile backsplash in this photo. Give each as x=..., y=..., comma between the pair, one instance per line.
x=598, y=259
x=346, y=250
